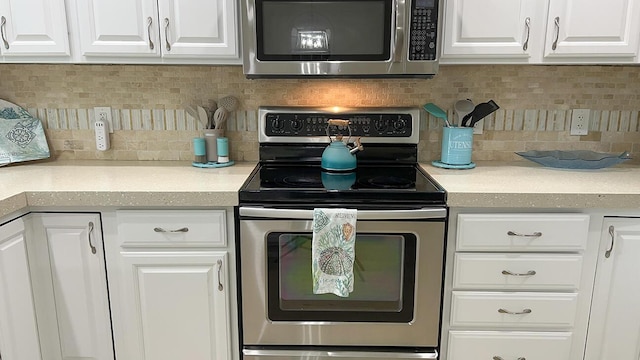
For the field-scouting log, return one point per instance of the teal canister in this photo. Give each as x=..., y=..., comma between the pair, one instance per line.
x=199, y=150
x=223, y=150
x=457, y=143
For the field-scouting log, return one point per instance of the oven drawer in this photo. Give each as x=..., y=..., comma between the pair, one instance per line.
x=465, y=345
x=172, y=228
x=519, y=310
x=510, y=271
x=522, y=232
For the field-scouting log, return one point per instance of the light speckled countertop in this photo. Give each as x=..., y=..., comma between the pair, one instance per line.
x=177, y=184
x=119, y=184
x=528, y=185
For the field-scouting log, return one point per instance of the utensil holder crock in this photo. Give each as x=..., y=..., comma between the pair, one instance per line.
x=457, y=144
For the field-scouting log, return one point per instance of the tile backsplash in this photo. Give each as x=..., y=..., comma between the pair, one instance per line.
x=150, y=122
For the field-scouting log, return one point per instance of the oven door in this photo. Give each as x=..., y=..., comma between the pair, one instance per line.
x=397, y=288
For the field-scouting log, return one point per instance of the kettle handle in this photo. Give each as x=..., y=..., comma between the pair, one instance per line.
x=338, y=122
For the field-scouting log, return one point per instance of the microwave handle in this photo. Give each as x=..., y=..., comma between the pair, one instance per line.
x=398, y=41
x=303, y=214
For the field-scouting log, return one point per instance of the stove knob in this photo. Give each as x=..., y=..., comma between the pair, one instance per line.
x=277, y=124
x=380, y=125
x=296, y=124
x=399, y=124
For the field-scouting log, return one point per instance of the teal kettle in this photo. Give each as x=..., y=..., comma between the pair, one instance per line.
x=337, y=156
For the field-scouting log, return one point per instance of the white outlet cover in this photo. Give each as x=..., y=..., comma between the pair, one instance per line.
x=106, y=110
x=580, y=119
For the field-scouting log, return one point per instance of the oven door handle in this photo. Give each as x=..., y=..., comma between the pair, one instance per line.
x=412, y=214
x=320, y=354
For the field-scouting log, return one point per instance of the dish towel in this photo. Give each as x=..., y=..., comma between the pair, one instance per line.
x=333, y=251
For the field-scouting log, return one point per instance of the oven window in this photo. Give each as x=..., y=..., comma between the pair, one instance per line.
x=383, y=290
x=337, y=30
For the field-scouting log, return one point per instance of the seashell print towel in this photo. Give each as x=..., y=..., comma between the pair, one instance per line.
x=333, y=251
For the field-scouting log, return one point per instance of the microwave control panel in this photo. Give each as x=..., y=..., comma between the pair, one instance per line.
x=424, y=30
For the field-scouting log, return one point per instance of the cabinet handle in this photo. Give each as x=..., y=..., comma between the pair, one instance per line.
x=613, y=237
x=3, y=28
x=166, y=34
x=501, y=358
x=555, y=42
x=161, y=230
x=220, y=287
x=527, y=25
x=504, y=311
x=535, y=234
x=149, y=22
x=528, y=273
x=90, y=232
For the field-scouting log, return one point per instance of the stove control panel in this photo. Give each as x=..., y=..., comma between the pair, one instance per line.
x=363, y=125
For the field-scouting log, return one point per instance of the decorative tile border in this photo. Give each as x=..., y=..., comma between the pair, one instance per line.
x=501, y=120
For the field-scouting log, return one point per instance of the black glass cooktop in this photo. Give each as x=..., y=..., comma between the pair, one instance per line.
x=309, y=184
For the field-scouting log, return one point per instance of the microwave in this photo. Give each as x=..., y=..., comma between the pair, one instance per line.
x=341, y=38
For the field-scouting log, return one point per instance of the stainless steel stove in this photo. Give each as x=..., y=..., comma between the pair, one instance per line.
x=394, y=313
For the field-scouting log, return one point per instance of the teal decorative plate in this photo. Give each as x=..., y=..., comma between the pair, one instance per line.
x=578, y=159
x=22, y=136
x=212, y=164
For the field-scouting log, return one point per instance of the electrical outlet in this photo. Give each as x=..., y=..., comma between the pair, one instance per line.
x=102, y=135
x=103, y=113
x=580, y=121
x=477, y=128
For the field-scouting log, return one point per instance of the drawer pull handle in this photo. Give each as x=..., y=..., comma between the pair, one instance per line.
x=504, y=311
x=161, y=230
x=527, y=24
x=556, y=21
x=220, y=287
x=501, y=358
x=166, y=34
x=612, y=232
x=528, y=273
x=93, y=248
x=149, y=22
x=535, y=234
x=3, y=28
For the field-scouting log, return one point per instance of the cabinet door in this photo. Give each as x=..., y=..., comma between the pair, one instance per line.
x=178, y=303
x=495, y=29
x=67, y=263
x=606, y=31
x=198, y=28
x=614, y=326
x=34, y=28
x=118, y=27
x=18, y=326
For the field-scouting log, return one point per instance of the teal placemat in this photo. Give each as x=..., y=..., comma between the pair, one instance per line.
x=212, y=164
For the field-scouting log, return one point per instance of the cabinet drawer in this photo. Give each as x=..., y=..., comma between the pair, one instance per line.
x=522, y=232
x=520, y=310
x=465, y=345
x=181, y=228
x=517, y=271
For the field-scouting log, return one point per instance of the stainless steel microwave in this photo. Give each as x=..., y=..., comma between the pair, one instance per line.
x=341, y=38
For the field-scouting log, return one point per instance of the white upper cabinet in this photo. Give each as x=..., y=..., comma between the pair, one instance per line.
x=493, y=30
x=118, y=27
x=198, y=28
x=157, y=30
x=537, y=31
x=33, y=28
x=605, y=31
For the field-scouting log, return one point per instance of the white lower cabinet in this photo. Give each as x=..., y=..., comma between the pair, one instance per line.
x=53, y=291
x=614, y=326
x=502, y=345
x=172, y=285
x=18, y=325
x=513, y=287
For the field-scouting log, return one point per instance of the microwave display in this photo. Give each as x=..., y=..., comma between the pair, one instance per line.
x=340, y=30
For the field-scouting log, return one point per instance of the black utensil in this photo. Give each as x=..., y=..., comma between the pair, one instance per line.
x=480, y=112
